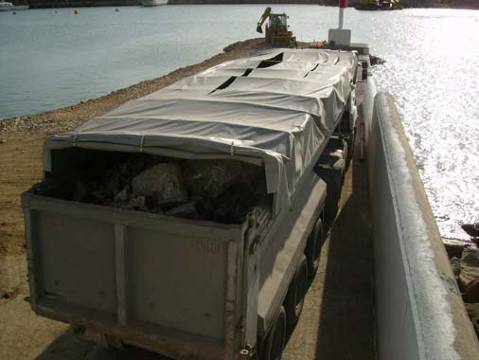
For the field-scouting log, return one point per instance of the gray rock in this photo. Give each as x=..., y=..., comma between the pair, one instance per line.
x=471, y=294
x=473, y=312
x=469, y=267
x=138, y=202
x=113, y=183
x=376, y=60
x=454, y=247
x=122, y=196
x=456, y=265
x=81, y=191
x=212, y=178
x=184, y=210
x=471, y=229
x=162, y=181
x=135, y=203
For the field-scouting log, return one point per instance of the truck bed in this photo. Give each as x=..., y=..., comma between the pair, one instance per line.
x=134, y=273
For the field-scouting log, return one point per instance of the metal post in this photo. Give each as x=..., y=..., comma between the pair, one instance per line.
x=342, y=4
x=341, y=16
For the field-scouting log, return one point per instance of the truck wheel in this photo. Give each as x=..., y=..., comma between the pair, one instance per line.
x=350, y=142
x=313, y=247
x=275, y=341
x=346, y=155
x=297, y=290
x=334, y=182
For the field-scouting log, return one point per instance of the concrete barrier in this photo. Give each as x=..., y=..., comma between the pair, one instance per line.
x=420, y=313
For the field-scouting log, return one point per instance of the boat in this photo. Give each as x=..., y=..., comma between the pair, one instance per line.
x=149, y=3
x=8, y=6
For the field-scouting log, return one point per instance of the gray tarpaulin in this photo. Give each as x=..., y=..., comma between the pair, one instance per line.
x=277, y=108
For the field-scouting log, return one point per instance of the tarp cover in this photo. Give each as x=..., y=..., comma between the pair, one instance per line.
x=277, y=108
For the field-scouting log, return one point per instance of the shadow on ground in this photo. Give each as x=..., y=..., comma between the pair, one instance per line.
x=68, y=346
x=346, y=324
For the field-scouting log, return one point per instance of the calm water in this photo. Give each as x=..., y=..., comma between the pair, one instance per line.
x=49, y=59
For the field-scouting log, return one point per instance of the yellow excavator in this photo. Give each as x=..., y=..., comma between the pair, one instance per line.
x=276, y=31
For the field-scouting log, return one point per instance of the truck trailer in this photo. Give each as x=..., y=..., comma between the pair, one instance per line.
x=218, y=267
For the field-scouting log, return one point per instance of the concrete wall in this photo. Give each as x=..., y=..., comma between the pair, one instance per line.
x=420, y=313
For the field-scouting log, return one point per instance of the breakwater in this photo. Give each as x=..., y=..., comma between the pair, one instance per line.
x=37, y=4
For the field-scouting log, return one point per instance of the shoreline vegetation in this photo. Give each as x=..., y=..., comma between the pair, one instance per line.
x=38, y=4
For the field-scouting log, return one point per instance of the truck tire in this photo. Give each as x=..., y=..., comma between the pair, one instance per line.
x=275, y=340
x=313, y=248
x=350, y=141
x=294, y=301
x=333, y=177
x=332, y=199
x=346, y=155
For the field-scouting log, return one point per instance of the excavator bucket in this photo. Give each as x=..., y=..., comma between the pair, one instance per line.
x=259, y=29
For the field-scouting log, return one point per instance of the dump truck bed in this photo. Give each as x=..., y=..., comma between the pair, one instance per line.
x=172, y=285
x=170, y=281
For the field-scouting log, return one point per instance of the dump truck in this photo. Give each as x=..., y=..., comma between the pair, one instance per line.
x=190, y=221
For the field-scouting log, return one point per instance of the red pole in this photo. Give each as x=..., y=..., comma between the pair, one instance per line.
x=342, y=4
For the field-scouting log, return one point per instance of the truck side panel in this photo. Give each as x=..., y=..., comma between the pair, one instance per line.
x=77, y=261
x=167, y=273
x=136, y=275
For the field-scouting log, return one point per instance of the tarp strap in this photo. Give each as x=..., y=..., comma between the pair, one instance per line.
x=232, y=149
x=142, y=141
x=74, y=142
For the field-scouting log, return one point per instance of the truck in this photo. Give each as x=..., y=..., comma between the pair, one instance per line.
x=261, y=143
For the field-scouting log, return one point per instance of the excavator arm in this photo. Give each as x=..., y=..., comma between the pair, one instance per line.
x=262, y=19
